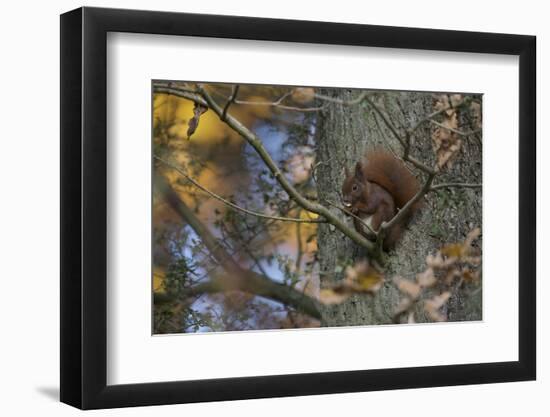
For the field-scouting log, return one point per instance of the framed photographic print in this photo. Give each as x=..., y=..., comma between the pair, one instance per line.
x=258, y=208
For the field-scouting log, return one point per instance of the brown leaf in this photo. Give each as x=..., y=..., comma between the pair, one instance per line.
x=198, y=111
x=408, y=287
x=359, y=279
x=473, y=235
x=473, y=260
x=363, y=277
x=475, y=108
x=303, y=95
x=329, y=296
x=451, y=275
x=404, y=304
x=438, y=262
x=461, y=250
x=469, y=275
x=456, y=100
x=447, y=143
x=433, y=305
x=453, y=250
x=426, y=279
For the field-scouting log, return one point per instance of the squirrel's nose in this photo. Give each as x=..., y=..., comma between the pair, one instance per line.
x=347, y=203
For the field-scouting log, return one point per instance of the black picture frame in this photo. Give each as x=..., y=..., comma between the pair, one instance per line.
x=84, y=207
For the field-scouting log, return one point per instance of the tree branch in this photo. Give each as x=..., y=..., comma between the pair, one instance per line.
x=174, y=91
x=349, y=213
x=229, y=203
x=257, y=145
x=236, y=277
x=352, y=102
x=385, y=226
x=279, y=106
x=407, y=207
x=405, y=142
x=450, y=129
x=231, y=100
x=436, y=113
x=278, y=103
x=386, y=121
x=455, y=185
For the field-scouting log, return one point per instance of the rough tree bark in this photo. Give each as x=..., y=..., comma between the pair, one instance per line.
x=344, y=133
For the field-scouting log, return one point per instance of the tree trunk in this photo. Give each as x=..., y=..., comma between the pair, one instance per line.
x=344, y=133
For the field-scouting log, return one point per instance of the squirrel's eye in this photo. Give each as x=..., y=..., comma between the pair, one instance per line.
x=355, y=187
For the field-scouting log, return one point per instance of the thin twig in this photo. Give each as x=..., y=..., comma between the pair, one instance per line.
x=428, y=118
x=183, y=93
x=436, y=113
x=231, y=100
x=229, y=203
x=299, y=246
x=351, y=102
x=278, y=103
x=171, y=84
x=386, y=122
x=455, y=185
x=236, y=277
x=405, y=142
x=386, y=226
x=279, y=106
x=383, y=136
x=258, y=146
x=349, y=213
x=458, y=132
x=407, y=207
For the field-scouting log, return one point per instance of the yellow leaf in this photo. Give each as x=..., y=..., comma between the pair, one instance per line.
x=453, y=250
x=363, y=278
x=370, y=282
x=303, y=95
x=158, y=279
x=328, y=296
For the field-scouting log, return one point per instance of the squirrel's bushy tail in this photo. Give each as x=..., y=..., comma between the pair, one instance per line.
x=390, y=173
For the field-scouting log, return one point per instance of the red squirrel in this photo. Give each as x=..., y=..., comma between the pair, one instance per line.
x=376, y=191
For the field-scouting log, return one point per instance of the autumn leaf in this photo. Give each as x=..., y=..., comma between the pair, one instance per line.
x=469, y=275
x=193, y=124
x=447, y=143
x=475, y=108
x=408, y=287
x=426, y=279
x=453, y=250
x=404, y=305
x=438, y=262
x=461, y=250
x=303, y=95
x=433, y=305
x=370, y=283
x=455, y=262
x=330, y=296
x=364, y=278
x=473, y=235
x=359, y=279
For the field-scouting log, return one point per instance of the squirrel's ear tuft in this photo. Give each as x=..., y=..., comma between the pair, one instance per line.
x=359, y=170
